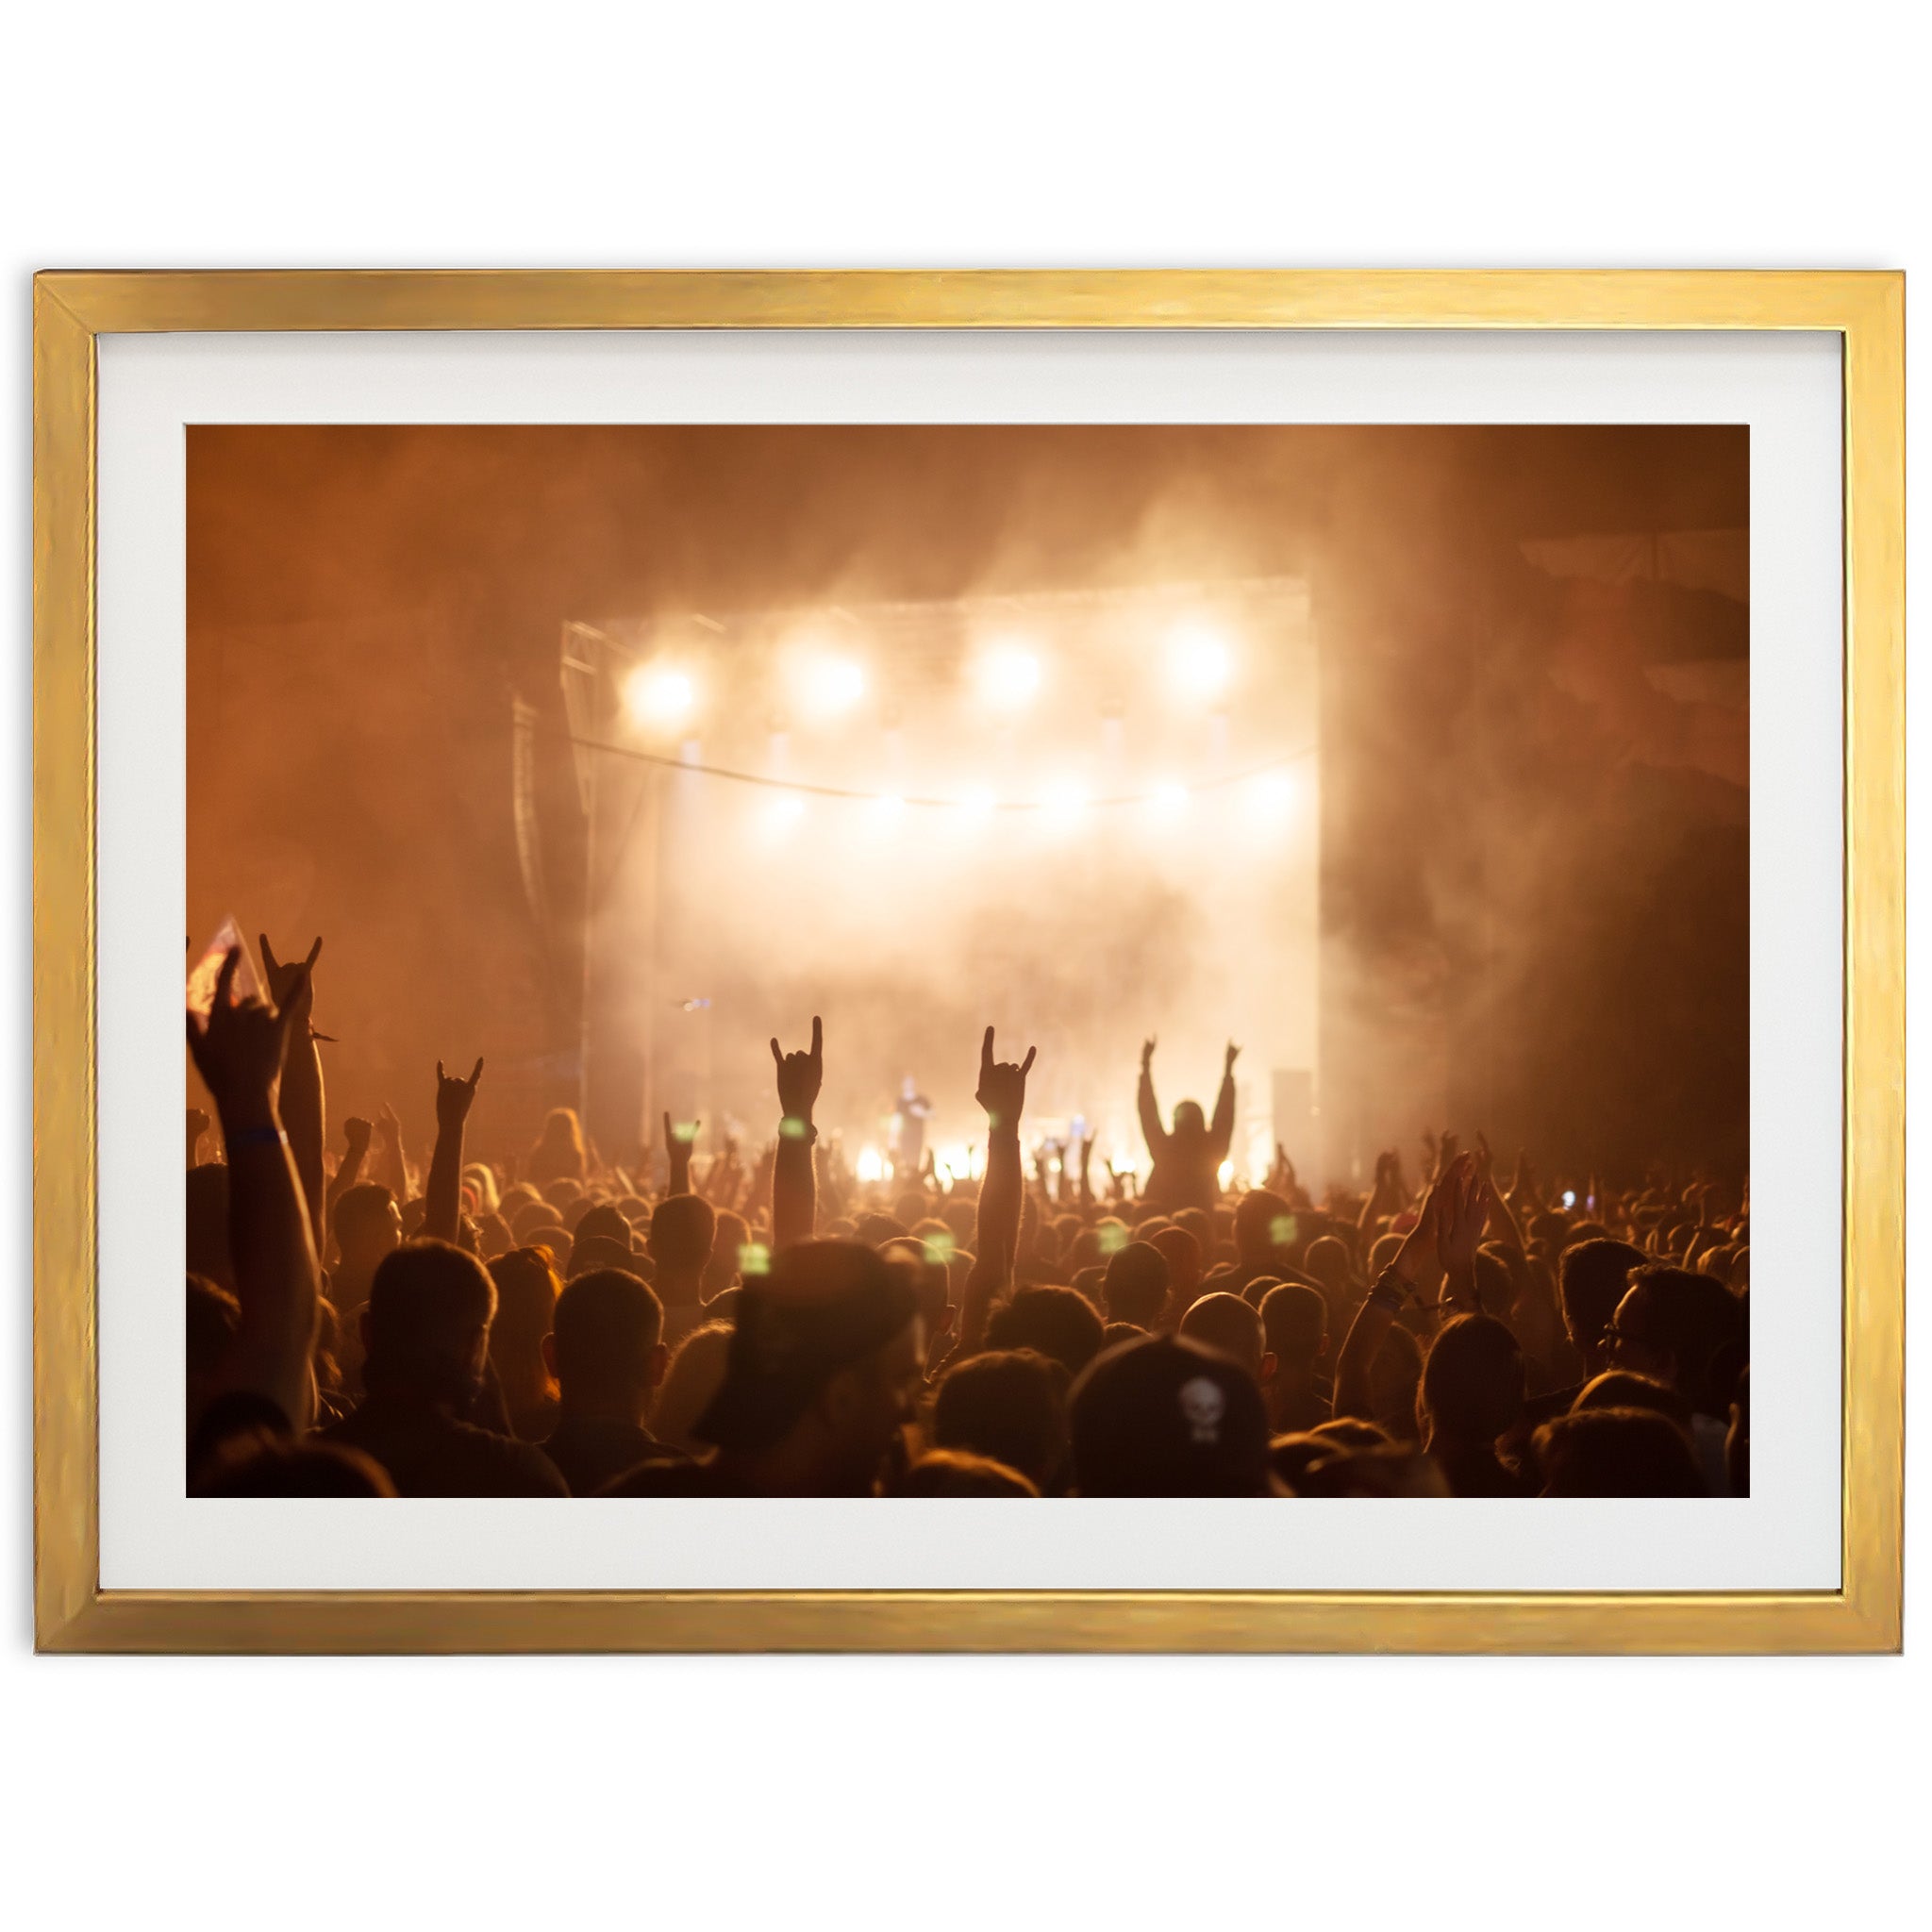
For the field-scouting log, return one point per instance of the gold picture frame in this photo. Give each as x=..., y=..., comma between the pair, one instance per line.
x=73, y=1612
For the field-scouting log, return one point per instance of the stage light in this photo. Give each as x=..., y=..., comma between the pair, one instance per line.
x=1272, y=799
x=979, y=804
x=658, y=697
x=828, y=687
x=1063, y=807
x=1166, y=802
x=1224, y=1174
x=778, y=814
x=1199, y=662
x=1009, y=675
x=871, y=1164
x=882, y=815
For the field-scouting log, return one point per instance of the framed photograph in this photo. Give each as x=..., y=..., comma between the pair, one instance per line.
x=997, y=961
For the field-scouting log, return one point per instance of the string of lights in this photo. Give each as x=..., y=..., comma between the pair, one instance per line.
x=766, y=781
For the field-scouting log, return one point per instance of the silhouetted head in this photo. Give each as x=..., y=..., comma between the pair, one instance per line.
x=525, y=1302
x=1167, y=1417
x=1617, y=1452
x=1472, y=1382
x=1676, y=1325
x=214, y=1317
x=1190, y=1122
x=953, y=1473
x=1264, y=1227
x=1008, y=1404
x=1181, y=1250
x=683, y=1229
x=1590, y=1281
x=1134, y=1287
x=265, y=1462
x=1227, y=1322
x=368, y=1226
x=1295, y=1326
x=426, y=1327
x=1624, y=1388
x=606, y=1345
x=1059, y=1322
x=697, y=1367
x=822, y=1369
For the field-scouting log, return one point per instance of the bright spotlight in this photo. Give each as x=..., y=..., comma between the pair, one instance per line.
x=1167, y=802
x=658, y=697
x=828, y=687
x=978, y=803
x=1272, y=800
x=1224, y=1174
x=871, y=1164
x=778, y=814
x=1063, y=806
x=1008, y=676
x=882, y=814
x=1199, y=662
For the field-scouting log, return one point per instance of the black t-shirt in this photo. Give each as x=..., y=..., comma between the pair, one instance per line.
x=428, y=1453
x=590, y=1450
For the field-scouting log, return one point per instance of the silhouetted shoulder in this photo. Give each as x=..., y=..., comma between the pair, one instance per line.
x=665, y=1477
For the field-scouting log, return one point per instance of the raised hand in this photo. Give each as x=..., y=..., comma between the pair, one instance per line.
x=800, y=1075
x=388, y=1128
x=1459, y=1206
x=290, y=986
x=1002, y=1088
x=454, y=1097
x=1227, y=1062
x=237, y=1048
x=1146, y=1054
x=679, y=1139
x=356, y=1131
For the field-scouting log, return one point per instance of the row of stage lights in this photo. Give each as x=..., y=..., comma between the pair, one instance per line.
x=662, y=697
x=1007, y=674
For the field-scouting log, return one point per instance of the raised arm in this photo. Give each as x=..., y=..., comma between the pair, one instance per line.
x=291, y=991
x=443, y=1192
x=678, y=1142
x=391, y=1170
x=239, y=1053
x=1221, y=1130
x=348, y=1171
x=1151, y=1129
x=1002, y=1091
x=794, y=1188
x=1456, y=1193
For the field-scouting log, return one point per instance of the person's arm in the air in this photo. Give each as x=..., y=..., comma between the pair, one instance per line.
x=443, y=1192
x=237, y=1051
x=1221, y=1130
x=677, y=1146
x=1454, y=1201
x=1002, y=1091
x=1151, y=1129
x=292, y=990
x=794, y=1185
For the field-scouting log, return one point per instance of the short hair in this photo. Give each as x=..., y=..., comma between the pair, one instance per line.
x=1590, y=1281
x=1263, y=1222
x=608, y=1324
x=532, y=1215
x=953, y=1473
x=1473, y=1379
x=929, y=1278
x=600, y=1251
x=1295, y=1323
x=1163, y=1416
x=430, y=1304
x=1007, y=1403
x=1225, y=1322
x=1059, y=1322
x=1690, y=1317
x=1181, y=1251
x=360, y=1210
x=1625, y=1388
x=606, y=1220
x=683, y=1228
x=1327, y=1260
x=1134, y=1287
x=1617, y=1452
